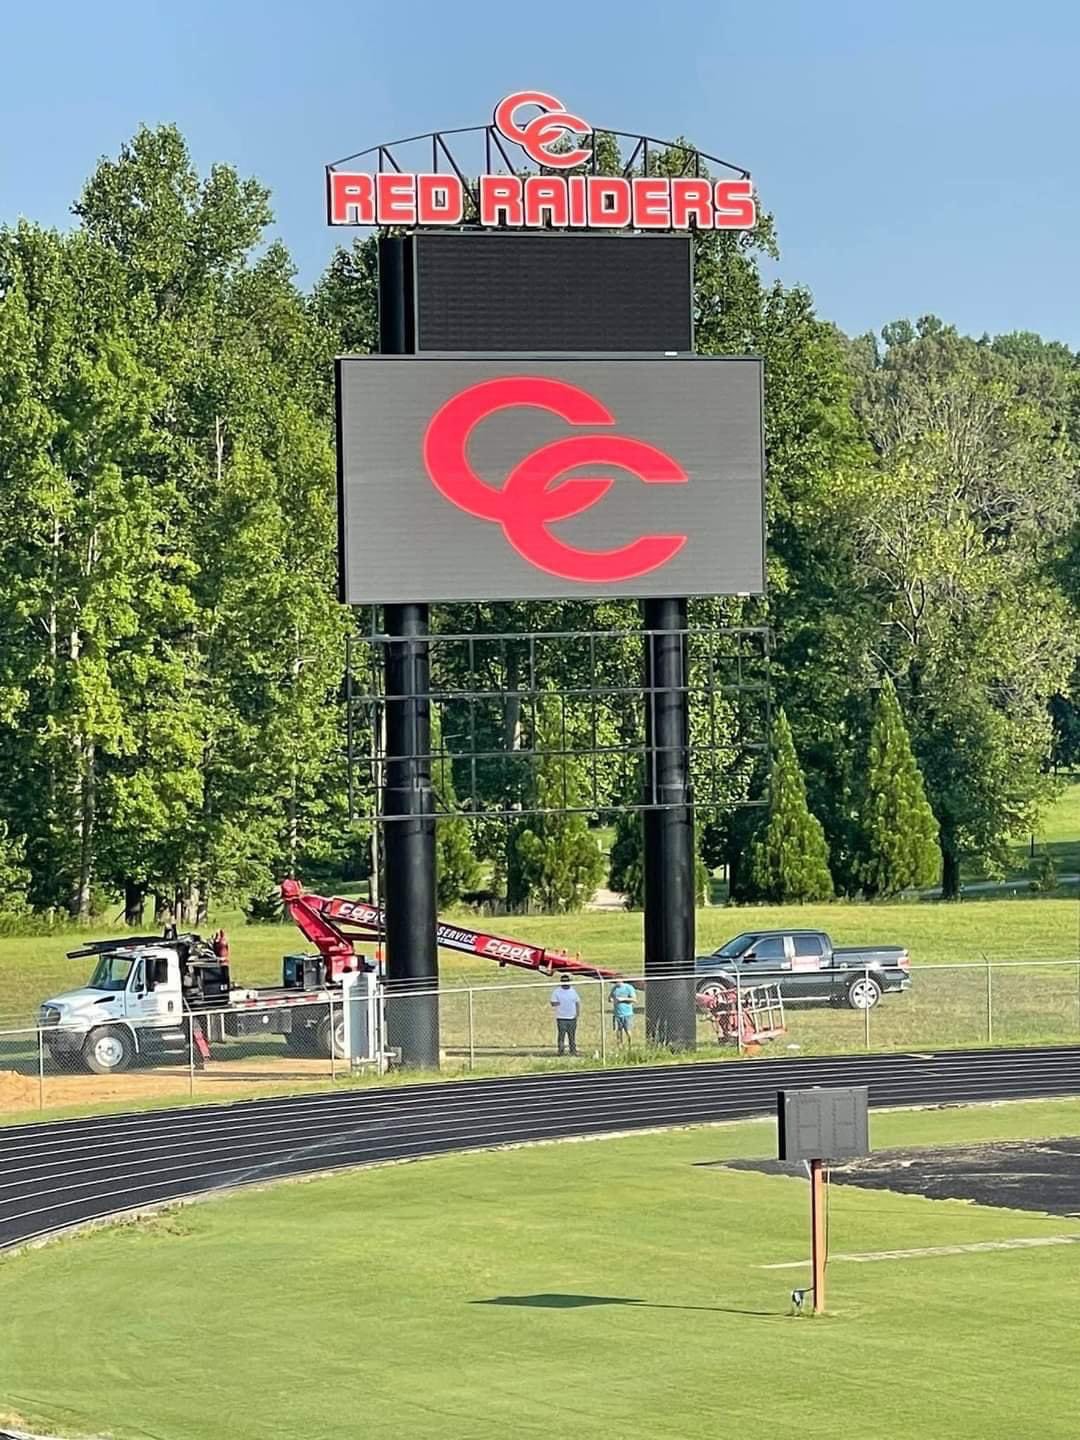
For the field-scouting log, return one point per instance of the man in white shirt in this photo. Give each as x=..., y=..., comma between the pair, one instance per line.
x=566, y=1003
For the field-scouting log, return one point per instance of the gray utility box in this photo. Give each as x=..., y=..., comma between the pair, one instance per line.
x=823, y=1123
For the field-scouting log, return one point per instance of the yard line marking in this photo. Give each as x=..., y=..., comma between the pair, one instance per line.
x=975, y=1247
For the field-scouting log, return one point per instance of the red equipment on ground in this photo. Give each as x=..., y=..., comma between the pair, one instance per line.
x=750, y=1014
x=332, y=924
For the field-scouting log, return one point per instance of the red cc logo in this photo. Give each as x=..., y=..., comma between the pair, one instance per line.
x=530, y=500
x=538, y=135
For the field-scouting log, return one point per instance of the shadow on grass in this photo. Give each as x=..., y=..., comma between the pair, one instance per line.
x=578, y=1302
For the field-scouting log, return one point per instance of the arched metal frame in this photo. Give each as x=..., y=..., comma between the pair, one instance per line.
x=474, y=149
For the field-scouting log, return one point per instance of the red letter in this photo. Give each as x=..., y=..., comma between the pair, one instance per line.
x=397, y=198
x=440, y=200
x=609, y=202
x=735, y=206
x=350, y=199
x=579, y=215
x=652, y=204
x=500, y=199
x=543, y=194
x=691, y=200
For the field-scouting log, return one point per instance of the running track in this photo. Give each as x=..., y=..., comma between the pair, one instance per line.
x=54, y=1177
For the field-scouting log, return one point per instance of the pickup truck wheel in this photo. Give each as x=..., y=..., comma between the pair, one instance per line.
x=108, y=1050
x=324, y=1041
x=721, y=985
x=864, y=992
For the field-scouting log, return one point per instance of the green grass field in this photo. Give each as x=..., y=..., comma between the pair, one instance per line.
x=33, y=967
x=594, y=1290
x=1020, y=927
x=1057, y=834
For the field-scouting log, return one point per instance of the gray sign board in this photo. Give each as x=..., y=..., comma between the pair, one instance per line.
x=826, y=1123
x=522, y=478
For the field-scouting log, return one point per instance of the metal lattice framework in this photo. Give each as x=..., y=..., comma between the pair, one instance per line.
x=481, y=149
x=555, y=722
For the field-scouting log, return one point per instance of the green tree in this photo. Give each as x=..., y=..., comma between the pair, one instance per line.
x=959, y=535
x=456, y=866
x=556, y=857
x=790, y=861
x=14, y=876
x=899, y=829
x=627, y=861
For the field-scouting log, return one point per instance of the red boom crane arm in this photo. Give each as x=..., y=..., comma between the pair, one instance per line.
x=332, y=923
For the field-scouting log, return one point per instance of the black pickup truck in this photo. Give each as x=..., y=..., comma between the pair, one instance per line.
x=808, y=968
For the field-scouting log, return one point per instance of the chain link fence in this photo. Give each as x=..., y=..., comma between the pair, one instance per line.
x=279, y=1046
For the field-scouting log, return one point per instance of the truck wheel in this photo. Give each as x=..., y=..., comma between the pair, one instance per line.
x=718, y=986
x=323, y=1041
x=863, y=993
x=108, y=1051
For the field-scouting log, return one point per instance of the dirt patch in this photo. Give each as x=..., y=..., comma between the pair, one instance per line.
x=1039, y=1175
x=223, y=1079
x=17, y=1092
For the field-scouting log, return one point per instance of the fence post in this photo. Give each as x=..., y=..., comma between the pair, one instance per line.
x=603, y=1023
x=866, y=1010
x=191, y=1053
x=41, y=1068
x=989, y=1004
x=738, y=1011
x=472, y=1031
x=333, y=1038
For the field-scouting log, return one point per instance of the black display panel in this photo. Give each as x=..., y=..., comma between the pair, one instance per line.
x=560, y=292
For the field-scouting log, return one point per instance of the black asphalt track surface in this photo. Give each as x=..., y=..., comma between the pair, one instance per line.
x=1040, y=1175
x=57, y=1176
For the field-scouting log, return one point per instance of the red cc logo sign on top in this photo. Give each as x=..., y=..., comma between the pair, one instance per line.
x=530, y=500
x=537, y=136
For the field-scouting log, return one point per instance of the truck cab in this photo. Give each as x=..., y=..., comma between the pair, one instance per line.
x=134, y=1003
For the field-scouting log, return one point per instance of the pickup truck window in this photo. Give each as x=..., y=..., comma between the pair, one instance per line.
x=809, y=945
x=771, y=948
x=111, y=972
x=735, y=947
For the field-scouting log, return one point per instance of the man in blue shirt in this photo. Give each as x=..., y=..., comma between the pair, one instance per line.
x=623, y=996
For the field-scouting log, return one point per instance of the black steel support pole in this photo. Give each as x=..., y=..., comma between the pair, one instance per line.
x=412, y=1018
x=412, y=966
x=669, y=830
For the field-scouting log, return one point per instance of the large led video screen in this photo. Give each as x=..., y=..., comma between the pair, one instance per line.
x=498, y=478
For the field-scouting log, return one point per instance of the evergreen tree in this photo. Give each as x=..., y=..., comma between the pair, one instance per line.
x=627, y=862
x=627, y=868
x=790, y=857
x=456, y=865
x=900, y=833
x=557, y=859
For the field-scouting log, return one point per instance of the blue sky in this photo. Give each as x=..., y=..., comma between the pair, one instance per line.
x=918, y=157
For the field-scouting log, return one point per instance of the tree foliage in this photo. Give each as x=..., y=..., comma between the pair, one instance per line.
x=171, y=649
x=456, y=866
x=899, y=829
x=626, y=875
x=557, y=859
x=790, y=855
x=962, y=524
